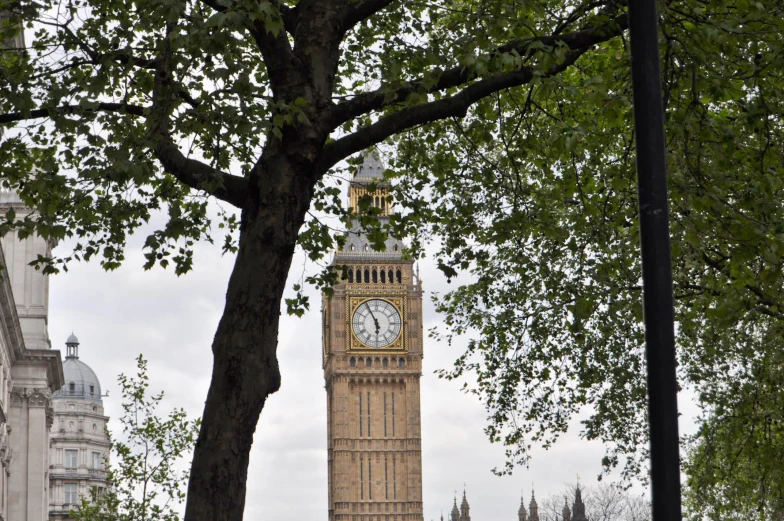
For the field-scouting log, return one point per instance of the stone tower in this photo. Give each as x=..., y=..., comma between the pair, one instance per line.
x=533, y=508
x=372, y=357
x=567, y=514
x=522, y=515
x=78, y=440
x=464, y=509
x=578, y=508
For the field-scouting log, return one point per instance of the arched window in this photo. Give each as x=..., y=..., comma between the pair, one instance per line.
x=391, y=278
x=351, y=247
x=383, y=203
x=375, y=276
x=385, y=362
x=395, y=247
x=401, y=363
x=367, y=275
x=359, y=275
x=383, y=276
x=368, y=362
x=352, y=362
x=399, y=278
x=366, y=247
x=378, y=203
x=351, y=275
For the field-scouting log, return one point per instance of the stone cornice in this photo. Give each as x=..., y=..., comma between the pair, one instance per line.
x=54, y=365
x=9, y=320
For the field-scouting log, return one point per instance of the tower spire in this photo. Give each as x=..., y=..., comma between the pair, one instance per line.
x=522, y=515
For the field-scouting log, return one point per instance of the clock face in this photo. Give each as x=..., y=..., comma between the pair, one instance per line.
x=376, y=323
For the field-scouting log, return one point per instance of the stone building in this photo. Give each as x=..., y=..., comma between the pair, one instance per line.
x=79, y=445
x=29, y=373
x=372, y=356
x=576, y=513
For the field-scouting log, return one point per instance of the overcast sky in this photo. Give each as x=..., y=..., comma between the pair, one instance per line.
x=172, y=321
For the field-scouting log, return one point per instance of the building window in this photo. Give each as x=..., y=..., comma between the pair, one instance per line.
x=71, y=388
x=368, y=362
x=351, y=276
x=360, y=413
x=393, y=415
x=401, y=363
x=367, y=275
x=96, y=460
x=368, y=420
x=351, y=247
x=385, y=363
x=383, y=276
x=70, y=494
x=71, y=458
x=92, y=390
x=398, y=276
x=352, y=362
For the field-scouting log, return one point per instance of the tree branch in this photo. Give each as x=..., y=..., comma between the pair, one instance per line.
x=134, y=110
x=458, y=104
x=200, y=176
x=457, y=76
x=356, y=12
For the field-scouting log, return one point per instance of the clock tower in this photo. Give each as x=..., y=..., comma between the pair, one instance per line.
x=372, y=355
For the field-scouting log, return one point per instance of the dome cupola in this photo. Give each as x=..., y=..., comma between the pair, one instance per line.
x=81, y=383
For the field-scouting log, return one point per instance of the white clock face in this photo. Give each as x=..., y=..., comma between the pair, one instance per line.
x=376, y=323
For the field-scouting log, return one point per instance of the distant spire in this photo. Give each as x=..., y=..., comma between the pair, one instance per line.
x=464, y=508
x=533, y=507
x=455, y=515
x=578, y=508
x=567, y=514
x=522, y=515
x=72, y=346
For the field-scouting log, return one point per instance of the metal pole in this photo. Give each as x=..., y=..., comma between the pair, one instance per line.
x=656, y=263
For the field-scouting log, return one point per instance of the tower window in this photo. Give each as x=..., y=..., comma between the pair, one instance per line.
x=92, y=390
x=383, y=203
x=383, y=276
x=394, y=479
x=351, y=247
x=385, y=416
x=399, y=278
x=71, y=388
x=362, y=477
x=352, y=362
x=386, y=482
x=375, y=276
x=359, y=275
x=395, y=247
x=360, y=413
x=378, y=202
x=401, y=363
x=351, y=276
x=385, y=362
x=391, y=279
x=368, y=362
x=370, y=478
x=367, y=275
x=366, y=248
x=368, y=418
x=393, y=415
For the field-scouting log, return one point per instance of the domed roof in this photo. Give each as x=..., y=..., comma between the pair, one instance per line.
x=80, y=380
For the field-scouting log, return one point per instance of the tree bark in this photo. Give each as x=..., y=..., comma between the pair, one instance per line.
x=245, y=370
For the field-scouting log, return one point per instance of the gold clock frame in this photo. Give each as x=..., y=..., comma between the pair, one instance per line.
x=399, y=345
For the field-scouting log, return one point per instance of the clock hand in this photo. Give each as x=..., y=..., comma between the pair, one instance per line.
x=374, y=320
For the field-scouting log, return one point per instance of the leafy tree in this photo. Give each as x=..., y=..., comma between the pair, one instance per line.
x=511, y=115
x=534, y=195
x=145, y=483
x=733, y=468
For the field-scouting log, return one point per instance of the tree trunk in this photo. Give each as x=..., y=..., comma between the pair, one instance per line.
x=245, y=370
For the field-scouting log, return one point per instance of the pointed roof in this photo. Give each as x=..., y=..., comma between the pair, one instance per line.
x=455, y=512
x=521, y=510
x=464, y=505
x=578, y=508
x=372, y=169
